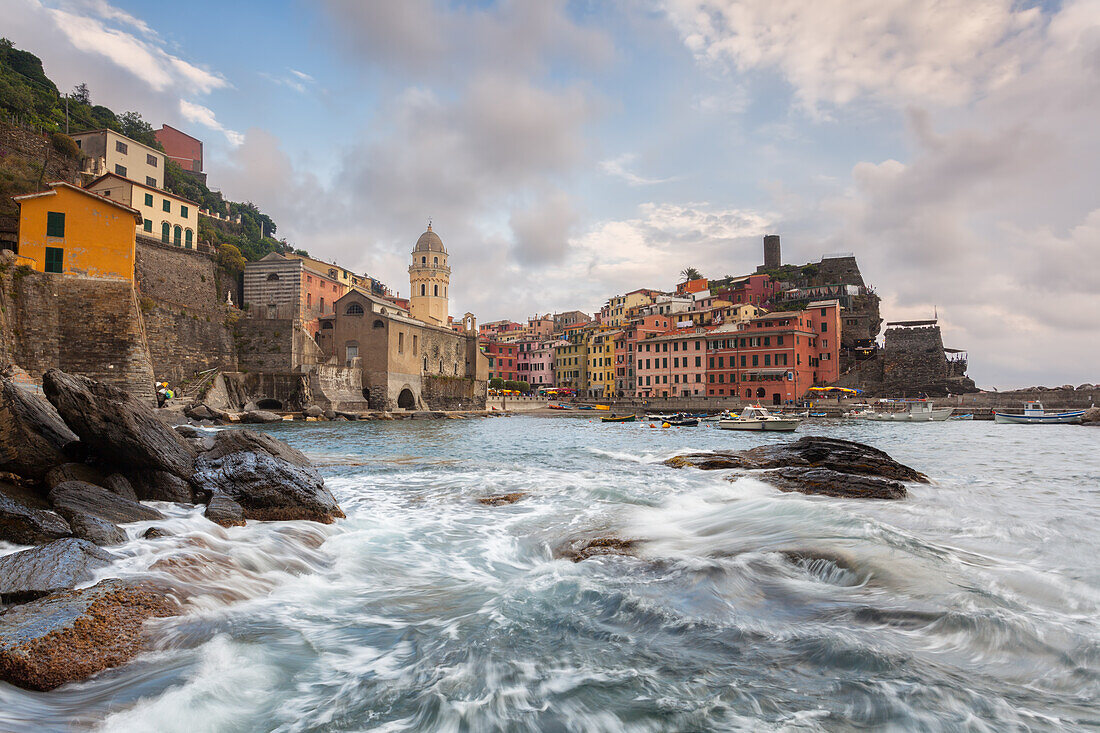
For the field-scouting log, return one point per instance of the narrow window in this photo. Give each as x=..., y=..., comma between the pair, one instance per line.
x=150, y=181
x=400, y=342
x=166, y=205
x=55, y=224
x=436, y=290
x=423, y=289
x=148, y=199
x=177, y=235
x=151, y=159
x=55, y=257
x=165, y=232
x=187, y=238
x=120, y=169
x=183, y=211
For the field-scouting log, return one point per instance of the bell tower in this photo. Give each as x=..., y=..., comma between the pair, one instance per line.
x=430, y=278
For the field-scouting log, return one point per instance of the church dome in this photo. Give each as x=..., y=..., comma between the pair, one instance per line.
x=429, y=242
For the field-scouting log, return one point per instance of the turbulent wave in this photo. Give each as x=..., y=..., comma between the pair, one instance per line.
x=971, y=605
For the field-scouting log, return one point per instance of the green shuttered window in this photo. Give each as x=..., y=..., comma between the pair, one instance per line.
x=55, y=224
x=148, y=199
x=55, y=258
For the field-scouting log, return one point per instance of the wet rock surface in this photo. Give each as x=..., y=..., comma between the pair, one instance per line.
x=841, y=456
x=44, y=569
x=116, y=483
x=95, y=530
x=266, y=487
x=32, y=433
x=260, y=417
x=249, y=441
x=224, y=511
x=583, y=549
x=826, y=482
x=160, y=486
x=77, y=497
x=120, y=429
x=73, y=634
x=74, y=472
x=501, y=499
x=27, y=519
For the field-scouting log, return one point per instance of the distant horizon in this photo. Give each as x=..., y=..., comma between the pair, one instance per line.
x=569, y=152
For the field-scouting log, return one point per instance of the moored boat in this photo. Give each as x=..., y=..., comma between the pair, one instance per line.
x=755, y=417
x=683, y=422
x=1035, y=414
x=919, y=411
x=618, y=418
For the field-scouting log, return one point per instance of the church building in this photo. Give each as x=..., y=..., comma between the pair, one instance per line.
x=411, y=360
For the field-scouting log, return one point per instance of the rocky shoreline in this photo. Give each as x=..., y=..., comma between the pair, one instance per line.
x=78, y=464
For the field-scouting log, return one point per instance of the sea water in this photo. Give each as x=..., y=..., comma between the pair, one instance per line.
x=970, y=605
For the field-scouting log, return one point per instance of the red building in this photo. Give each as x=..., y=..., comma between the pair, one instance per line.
x=756, y=289
x=181, y=148
x=503, y=359
x=776, y=357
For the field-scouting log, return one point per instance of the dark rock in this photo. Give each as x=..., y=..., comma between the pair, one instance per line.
x=224, y=511
x=348, y=415
x=577, y=550
x=77, y=451
x=330, y=414
x=249, y=441
x=187, y=431
x=340, y=418
x=116, y=483
x=95, y=530
x=32, y=434
x=832, y=483
x=260, y=417
x=155, y=532
x=199, y=411
x=313, y=411
x=26, y=519
x=73, y=634
x=161, y=486
x=76, y=497
x=1091, y=416
x=121, y=429
x=73, y=472
x=41, y=570
x=267, y=488
x=250, y=406
x=502, y=498
x=844, y=456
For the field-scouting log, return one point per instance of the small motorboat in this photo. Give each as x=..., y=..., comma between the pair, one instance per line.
x=755, y=417
x=919, y=411
x=555, y=406
x=817, y=414
x=1034, y=414
x=618, y=418
x=659, y=417
x=685, y=421
x=585, y=407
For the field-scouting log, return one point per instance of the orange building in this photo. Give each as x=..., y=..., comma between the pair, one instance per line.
x=72, y=231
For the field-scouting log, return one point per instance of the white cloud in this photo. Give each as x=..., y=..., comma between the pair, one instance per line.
x=205, y=116
x=617, y=167
x=919, y=51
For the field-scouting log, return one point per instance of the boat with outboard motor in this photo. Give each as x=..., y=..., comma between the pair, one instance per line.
x=1035, y=414
x=618, y=418
x=755, y=417
x=919, y=411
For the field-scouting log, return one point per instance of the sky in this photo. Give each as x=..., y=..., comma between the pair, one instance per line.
x=570, y=151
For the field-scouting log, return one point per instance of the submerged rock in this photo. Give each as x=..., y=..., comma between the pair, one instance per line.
x=41, y=570
x=577, y=550
x=26, y=518
x=260, y=417
x=77, y=497
x=832, y=483
x=119, y=428
x=266, y=487
x=95, y=530
x=32, y=434
x=502, y=498
x=843, y=456
x=73, y=634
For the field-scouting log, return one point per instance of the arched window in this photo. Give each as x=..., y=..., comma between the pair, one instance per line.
x=351, y=351
x=436, y=261
x=187, y=238
x=423, y=289
x=423, y=260
x=384, y=311
x=177, y=235
x=273, y=276
x=379, y=324
x=326, y=325
x=165, y=232
x=355, y=309
x=436, y=289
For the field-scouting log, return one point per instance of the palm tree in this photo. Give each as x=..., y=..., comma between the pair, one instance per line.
x=690, y=273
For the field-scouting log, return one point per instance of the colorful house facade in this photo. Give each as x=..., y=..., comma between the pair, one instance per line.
x=171, y=219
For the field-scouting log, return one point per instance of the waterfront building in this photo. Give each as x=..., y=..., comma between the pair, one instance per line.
x=278, y=286
x=165, y=216
x=182, y=149
x=600, y=363
x=536, y=361
x=503, y=359
x=540, y=327
x=689, y=287
x=430, y=278
x=672, y=364
x=107, y=151
x=635, y=331
x=342, y=274
x=571, y=358
x=69, y=230
x=664, y=305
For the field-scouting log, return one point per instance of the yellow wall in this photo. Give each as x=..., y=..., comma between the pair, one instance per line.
x=98, y=241
x=182, y=214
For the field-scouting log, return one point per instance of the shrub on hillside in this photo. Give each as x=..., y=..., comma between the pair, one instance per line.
x=64, y=144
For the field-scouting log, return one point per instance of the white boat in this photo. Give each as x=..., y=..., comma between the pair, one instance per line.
x=858, y=412
x=755, y=417
x=919, y=411
x=1034, y=414
x=659, y=417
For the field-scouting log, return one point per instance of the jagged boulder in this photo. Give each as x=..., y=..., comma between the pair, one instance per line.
x=26, y=518
x=161, y=486
x=267, y=487
x=224, y=511
x=1091, y=416
x=116, y=483
x=844, y=456
x=41, y=570
x=313, y=411
x=827, y=482
x=118, y=427
x=199, y=411
x=73, y=472
x=259, y=417
x=32, y=434
x=95, y=530
x=76, y=497
x=73, y=634
x=249, y=441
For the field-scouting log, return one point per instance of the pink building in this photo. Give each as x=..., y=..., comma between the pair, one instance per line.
x=756, y=289
x=672, y=364
x=535, y=360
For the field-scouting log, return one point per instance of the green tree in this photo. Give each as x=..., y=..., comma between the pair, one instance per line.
x=81, y=94
x=231, y=258
x=690, y=273
x=496, y=383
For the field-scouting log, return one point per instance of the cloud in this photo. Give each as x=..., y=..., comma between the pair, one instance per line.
x=299, y=81
x=618, y=167
x=542, y=230
x=205, y=116
x=898, y=51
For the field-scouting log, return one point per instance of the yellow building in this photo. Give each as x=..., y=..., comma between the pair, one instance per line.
x=601, y=362
x=571, y=360
x=430, y=278
x=107, y=151
x=165, y=216
x=73, y=231
x=618, y=307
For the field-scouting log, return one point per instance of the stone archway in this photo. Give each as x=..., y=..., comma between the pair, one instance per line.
x=269, y=404
x=406, y=400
